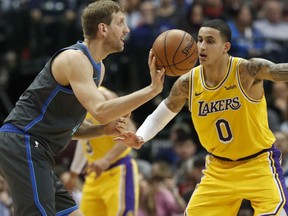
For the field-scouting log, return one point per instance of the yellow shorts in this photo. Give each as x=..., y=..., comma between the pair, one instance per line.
x=114, y=193
x=225, y=184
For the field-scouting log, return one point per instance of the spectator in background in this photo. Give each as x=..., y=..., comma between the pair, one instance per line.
x=166, y=15
x=133, y=15
x=279, y=98
x=284, y=124
x=194, y=19
x=186, y=150
x=274, y=30
x=257, y=6
x=193, y=177
x=141, y=40
x=247, y=41
x=285, y=13
x=156, y=198
x=231, y=7
x=52, y=23
x=169, y=154
x=214, y=9
x=5, y=199
x=282, y=144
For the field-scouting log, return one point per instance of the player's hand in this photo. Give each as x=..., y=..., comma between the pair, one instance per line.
x=70, y=184
x=97, y=166
x=157, y=76
x=130, y=139
x=116, y=127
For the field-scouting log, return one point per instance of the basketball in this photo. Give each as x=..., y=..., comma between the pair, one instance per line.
x=176, y=51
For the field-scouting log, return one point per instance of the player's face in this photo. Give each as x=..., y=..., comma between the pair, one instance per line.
x=211, y=46
x=117, y=32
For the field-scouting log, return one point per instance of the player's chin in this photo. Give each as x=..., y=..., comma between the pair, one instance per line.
x=203, y=61
x=119, y=49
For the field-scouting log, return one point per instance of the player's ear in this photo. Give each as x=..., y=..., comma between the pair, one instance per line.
x=102, y=29
x=227, y=47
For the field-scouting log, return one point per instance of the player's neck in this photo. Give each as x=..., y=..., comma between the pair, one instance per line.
x=215, y=72
x=95, y=49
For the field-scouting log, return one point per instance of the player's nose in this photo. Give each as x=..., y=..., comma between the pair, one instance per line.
x=126, y=29
x=201, y=46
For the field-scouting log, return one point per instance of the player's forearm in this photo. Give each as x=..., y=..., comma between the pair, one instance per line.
x=155, y=122
x=105, y=112
x=279, y=72
x=88, y=130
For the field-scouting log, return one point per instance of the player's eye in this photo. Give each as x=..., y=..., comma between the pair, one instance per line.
x=210, y=41
x=121, y=22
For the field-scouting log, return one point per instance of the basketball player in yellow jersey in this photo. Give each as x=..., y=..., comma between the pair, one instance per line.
x=228, y=108
x=111, y=186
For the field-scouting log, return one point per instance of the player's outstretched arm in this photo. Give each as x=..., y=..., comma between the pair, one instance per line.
x=163, y=114
x=88, y=130
x=73, y=68
x=262, y=69
x=103, y=163
x=254, y=71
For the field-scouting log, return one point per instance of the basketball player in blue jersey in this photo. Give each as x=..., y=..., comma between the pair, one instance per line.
x=49, y=113
x=226, y=98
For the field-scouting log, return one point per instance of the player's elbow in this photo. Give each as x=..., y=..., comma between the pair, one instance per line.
x=101, y=119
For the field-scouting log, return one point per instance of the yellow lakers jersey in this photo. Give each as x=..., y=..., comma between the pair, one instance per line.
x=229, y=123
x=96, y=148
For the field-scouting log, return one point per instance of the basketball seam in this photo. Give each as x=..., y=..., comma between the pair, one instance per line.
x=173, y=67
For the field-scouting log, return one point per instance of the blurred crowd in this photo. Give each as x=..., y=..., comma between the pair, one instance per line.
x=32, y=30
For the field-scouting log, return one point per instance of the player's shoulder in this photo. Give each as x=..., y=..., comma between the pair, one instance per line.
x=71, y=54
x=72, y=58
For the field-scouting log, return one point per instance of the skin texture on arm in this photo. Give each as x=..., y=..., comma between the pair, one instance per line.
x=174, y=102
x=254, y=71
x=178, y=94
x=87, y=130
x=78, y=74
x=102, y=164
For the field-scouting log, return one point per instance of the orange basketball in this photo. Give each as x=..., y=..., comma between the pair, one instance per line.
x=176, y=51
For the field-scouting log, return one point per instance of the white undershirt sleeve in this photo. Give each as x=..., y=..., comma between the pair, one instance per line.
x=79, y=159
x=155, y=122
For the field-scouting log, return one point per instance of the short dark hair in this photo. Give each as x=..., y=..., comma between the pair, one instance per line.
x=221, y=26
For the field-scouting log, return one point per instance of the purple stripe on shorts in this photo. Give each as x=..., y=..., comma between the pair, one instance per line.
x=276, y=157
x=129, y=184
x=129, y=190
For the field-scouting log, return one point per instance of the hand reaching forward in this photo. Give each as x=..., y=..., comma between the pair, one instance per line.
x=97, y=166
x=157, y=76
x=130, y=139
x=116, y=127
